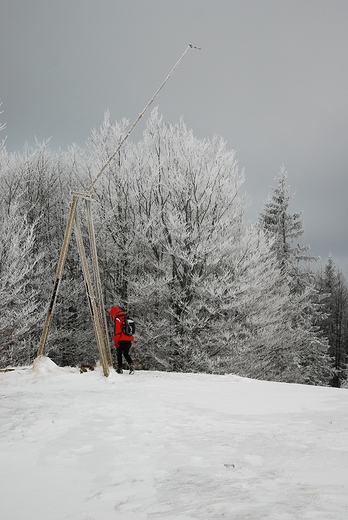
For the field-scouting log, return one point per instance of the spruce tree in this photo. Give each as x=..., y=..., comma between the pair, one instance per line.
x=306, y=347
x=286, y=228
x=334, y=323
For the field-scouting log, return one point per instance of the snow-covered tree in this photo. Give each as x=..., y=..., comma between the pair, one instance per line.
x=190, y=212
x=19, y=303
x=334, y=324
x=38, y=182
x=287, y=229
x=305, y=344
x=207, y=291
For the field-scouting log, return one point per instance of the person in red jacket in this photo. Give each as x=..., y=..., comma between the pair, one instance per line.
x=122, y=341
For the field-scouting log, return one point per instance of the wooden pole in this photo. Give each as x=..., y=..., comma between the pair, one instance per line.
x=124, y=139
x=97, y=283
x=91, y=297
x=58, y=277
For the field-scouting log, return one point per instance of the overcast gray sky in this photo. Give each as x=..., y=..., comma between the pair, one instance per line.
x=271, y=79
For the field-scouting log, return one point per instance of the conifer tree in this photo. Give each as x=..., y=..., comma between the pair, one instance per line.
x=306, y=346
x=334, y=324
x=287, y=229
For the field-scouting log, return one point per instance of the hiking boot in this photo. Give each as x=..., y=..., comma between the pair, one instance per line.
x=119, y=371
x=131, y=370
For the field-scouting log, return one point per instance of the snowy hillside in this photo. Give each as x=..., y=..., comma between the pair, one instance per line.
x=169, y=446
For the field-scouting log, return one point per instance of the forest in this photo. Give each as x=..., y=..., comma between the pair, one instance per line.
x=209, y=292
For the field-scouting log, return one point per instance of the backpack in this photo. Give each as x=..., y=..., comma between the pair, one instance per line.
x=128, y=326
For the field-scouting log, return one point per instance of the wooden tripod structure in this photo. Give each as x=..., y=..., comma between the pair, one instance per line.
x=93, y=283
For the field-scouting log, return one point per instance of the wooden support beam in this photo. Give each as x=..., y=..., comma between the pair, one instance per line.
x=58, y=277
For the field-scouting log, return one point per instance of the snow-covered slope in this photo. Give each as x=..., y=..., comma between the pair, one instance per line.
x=169, y=446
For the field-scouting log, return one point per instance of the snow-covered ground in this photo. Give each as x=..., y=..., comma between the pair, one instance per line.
x=169, y=446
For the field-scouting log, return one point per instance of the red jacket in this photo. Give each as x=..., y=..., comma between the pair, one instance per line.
x=118, y=316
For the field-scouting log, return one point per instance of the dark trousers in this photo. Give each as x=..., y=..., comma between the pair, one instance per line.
x=123, y=348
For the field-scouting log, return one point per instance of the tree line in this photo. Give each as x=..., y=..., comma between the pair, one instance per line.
x=208, y=291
